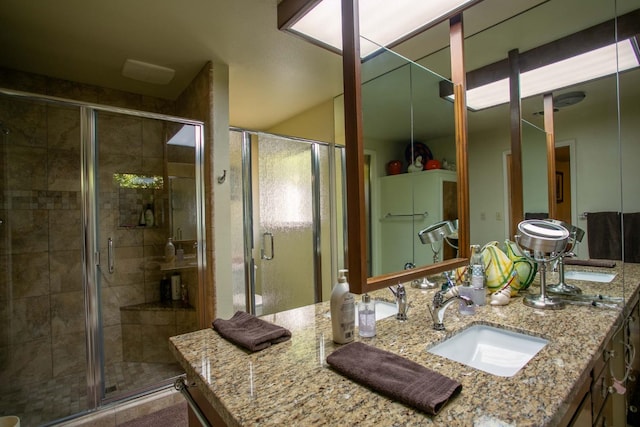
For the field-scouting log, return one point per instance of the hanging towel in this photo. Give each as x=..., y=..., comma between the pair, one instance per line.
x=631, y=223
x=250, y=332
x=394, y=376
x=604, y=235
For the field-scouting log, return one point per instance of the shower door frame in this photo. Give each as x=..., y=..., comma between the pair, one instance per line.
x=91, y=257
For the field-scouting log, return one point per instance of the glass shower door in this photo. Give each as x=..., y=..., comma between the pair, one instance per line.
x=283, y=224
x=145, y=193
x=285, y=241
x=42, y=337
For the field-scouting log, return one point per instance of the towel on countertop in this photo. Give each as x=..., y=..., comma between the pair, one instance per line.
x=250, y=332
x=604, y=232
x=631, y=223
x=394, y=376
x=590, y=262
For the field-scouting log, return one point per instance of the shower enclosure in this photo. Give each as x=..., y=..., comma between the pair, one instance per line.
x=83, y=320
x=285, y=239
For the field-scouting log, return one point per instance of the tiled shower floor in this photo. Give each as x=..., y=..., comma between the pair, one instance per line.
x=51, y=400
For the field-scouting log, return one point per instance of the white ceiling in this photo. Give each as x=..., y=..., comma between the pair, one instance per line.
x=273, y=75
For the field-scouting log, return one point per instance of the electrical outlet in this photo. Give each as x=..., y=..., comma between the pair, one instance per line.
x=498, y=216
x=483, y=216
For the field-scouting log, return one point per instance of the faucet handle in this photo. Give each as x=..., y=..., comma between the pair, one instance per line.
x=438, y=299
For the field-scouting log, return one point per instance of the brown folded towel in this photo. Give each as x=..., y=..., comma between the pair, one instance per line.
x=250, y=332
x=394, y=376
x=590, y=262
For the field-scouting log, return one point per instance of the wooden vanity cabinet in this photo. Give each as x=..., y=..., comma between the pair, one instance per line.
x=596, y=403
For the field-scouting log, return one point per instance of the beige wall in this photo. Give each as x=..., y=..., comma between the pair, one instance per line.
x=315, y=124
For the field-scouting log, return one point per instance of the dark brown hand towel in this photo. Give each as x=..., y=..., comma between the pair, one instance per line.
x=394, y=376
x=590, y=262
x=250, y=332
x=631, y=223
x=604, y=235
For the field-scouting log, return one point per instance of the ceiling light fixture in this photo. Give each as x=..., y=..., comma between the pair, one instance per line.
x=146, y=72
x=383, y=23
x=588, y=66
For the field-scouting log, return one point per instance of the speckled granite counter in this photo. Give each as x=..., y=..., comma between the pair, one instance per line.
x=290, y=383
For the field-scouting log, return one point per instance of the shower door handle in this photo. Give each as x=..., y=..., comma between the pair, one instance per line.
x=265, y=236
x=110, y=255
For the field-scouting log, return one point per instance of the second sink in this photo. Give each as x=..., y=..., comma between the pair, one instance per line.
x=591, y=276
x=490, y=349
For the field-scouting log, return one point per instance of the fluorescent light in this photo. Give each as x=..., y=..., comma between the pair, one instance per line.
x=381, y=21
x=568, y=72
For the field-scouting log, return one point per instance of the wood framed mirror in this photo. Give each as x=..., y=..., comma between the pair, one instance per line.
x=562, y=18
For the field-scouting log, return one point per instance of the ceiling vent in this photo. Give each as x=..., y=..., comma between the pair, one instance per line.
x=148, y=73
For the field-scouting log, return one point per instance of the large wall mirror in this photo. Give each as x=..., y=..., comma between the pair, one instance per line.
x=596, y=160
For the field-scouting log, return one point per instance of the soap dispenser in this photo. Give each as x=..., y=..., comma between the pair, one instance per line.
x=367, y=317
x=343, y=316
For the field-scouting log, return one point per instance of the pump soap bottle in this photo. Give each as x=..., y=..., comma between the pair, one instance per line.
x=343, y=313
x=367, y=317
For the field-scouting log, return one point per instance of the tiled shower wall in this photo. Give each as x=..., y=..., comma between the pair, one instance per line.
x=41, y=297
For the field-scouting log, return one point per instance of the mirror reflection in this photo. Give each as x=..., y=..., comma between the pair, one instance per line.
x=588, y=150
x=587, y=159
x=181, y=182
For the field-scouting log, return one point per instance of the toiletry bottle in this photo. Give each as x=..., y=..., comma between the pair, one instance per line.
x=165, y=289
x=367, y=317
x=142, y=222
x=184, y=293
x=476, y=276
x=169, y=251
x=179, y=254
x=342, y=311
x=176, y=288
x=149, y=219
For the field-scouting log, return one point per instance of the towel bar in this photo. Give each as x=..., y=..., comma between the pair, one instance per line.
x=181, y=386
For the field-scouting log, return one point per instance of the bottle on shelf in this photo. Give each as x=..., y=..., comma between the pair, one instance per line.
x=149, y=219
x=165, y=289
x=169, y=251
x=184, y=293
x=176, y=286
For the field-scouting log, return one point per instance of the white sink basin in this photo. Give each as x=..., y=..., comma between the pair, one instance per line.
x=494, y=350
x=590, y=276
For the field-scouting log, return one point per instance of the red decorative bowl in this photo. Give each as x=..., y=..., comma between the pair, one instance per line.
x=433, y=164
x=394, y=167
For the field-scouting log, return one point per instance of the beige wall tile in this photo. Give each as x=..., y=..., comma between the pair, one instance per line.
x=69, y=354
x=29, y=275
x=65, y=271
x=67, y=313
x=30, y=319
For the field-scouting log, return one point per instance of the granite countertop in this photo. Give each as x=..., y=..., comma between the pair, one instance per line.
x=291, y=384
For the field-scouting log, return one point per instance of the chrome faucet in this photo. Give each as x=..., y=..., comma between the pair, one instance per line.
x=440, y=306
x=401, y=301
